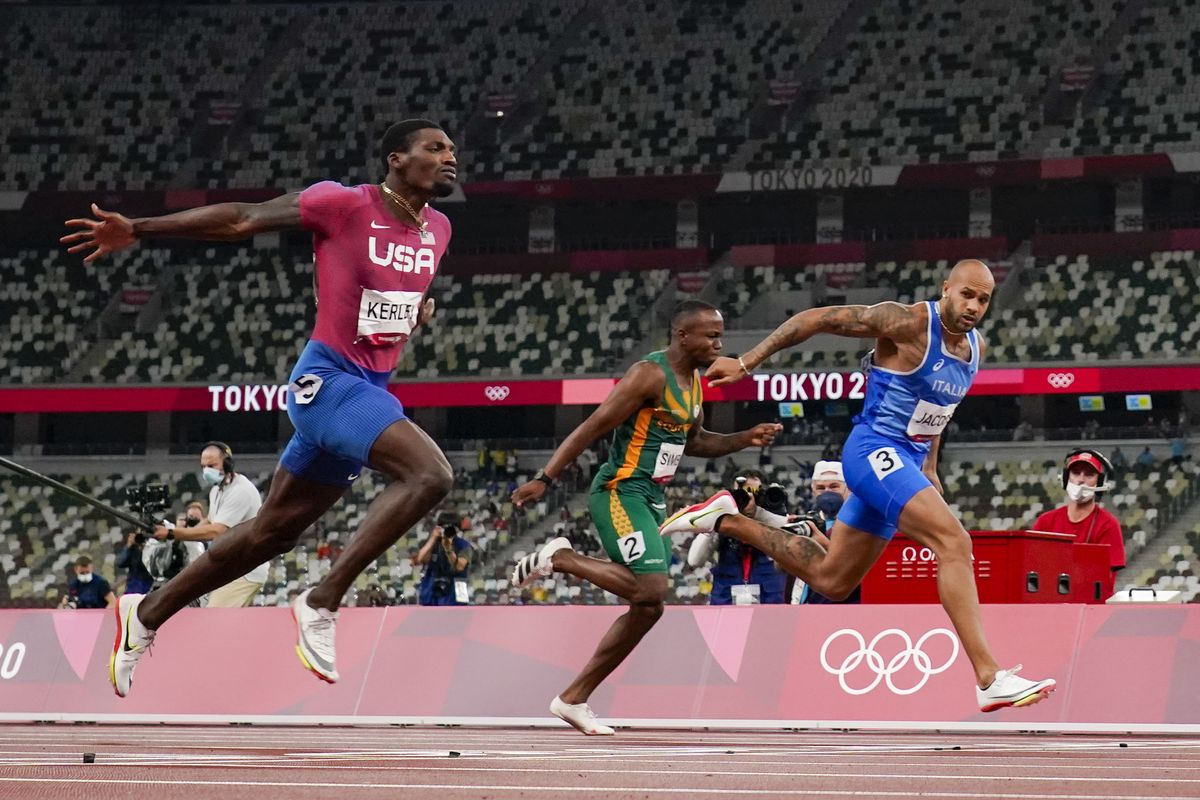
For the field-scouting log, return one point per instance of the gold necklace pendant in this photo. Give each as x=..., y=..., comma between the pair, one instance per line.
x=399, y=200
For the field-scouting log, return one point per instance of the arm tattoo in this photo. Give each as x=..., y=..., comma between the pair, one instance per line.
x=891, y=321
x=882, y=320
x=846, y=321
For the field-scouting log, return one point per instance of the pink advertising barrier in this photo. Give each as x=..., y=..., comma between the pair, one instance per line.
x=1119, y=668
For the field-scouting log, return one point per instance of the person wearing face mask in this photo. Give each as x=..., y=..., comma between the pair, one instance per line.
x=1086, y=473
x=232, y=499
x=87, y=589
x=829, y=489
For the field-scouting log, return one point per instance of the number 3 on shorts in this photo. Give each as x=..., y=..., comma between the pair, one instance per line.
x=884, y=462
x=632, y=546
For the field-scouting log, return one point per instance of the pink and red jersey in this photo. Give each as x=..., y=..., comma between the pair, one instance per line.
x=373, y=270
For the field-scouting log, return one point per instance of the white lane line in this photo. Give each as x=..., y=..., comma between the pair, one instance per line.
x=708, y=774
x=448, y=787
x=708, y=767
x=861, y=776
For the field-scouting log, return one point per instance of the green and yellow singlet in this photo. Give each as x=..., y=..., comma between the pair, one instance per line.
x=648, y=446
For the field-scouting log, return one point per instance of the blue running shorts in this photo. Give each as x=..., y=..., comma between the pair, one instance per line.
x=883, y=474
x=339, y=409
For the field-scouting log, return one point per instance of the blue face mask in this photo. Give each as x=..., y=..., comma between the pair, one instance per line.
x=211, y=476
x=829, y=503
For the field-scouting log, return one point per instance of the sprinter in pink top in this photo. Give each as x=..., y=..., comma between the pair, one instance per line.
x=377, y=249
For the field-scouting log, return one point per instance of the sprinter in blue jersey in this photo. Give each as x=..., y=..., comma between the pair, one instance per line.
x=925, y=358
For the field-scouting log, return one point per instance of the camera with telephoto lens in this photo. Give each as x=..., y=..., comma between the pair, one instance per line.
x=148, y=501
x=773, y=498
x=449, y=524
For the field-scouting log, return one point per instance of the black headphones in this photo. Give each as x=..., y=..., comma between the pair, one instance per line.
x=1105, y=468
x=226, y=455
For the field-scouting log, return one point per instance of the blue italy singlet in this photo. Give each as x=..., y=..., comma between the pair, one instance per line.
x=884, y=454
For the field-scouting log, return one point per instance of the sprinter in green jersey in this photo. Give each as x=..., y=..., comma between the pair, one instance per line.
x=655, y=414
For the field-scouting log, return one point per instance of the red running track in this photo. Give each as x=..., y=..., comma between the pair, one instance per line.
x=232, y=763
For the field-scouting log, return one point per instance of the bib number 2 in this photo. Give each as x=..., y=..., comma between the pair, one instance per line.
x=632, y=546
x=884, y=462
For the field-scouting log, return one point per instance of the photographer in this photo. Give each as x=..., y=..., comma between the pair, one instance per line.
x=829, y=491
x=744, y=575
x=445, y=556
x=87, y=589
x=137, y=578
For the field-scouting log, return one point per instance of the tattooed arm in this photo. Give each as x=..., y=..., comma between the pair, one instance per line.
x=889, y=320
x=880, y=321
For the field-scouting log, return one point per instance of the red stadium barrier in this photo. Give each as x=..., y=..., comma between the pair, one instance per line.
x=1119, y=667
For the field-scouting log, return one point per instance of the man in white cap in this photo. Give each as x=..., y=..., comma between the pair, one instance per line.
x=829, y=489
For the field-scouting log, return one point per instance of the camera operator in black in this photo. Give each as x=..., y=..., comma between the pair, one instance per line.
x=446, y=557
x=137, y=579
x=744, y=575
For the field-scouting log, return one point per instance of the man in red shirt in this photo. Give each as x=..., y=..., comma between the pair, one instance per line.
x=1085, y=473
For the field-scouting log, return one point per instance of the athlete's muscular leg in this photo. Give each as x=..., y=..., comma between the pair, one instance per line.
x=834, y=574
x=292, y=505
x=421, y=478
x=609, y=576
x=927, y=520
x=645, y=608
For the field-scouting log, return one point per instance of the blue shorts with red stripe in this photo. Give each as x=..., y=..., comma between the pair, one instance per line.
x=339, y=409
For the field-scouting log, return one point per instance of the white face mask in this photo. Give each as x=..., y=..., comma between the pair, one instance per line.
x=85, y=577
x=1080, y=493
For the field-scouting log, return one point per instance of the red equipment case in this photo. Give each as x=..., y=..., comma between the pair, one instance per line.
x=1010, y=567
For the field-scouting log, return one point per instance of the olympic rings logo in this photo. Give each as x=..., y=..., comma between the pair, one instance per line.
x=868, y=655
x=496, y=393
x=1061, y=380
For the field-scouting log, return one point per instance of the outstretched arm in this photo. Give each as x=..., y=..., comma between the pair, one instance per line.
x=642, y=383
x=706, y=444
x=110, y=232
x=881, y=321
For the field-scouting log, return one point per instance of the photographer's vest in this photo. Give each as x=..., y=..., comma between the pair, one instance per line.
x=648, y=446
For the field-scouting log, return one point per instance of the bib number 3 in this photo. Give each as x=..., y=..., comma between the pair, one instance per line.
x=884, y=462
x=632, y=546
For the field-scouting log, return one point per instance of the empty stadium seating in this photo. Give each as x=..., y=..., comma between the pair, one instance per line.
x=938, y=81
x=231, y=315
x=1146, y=99
x=141, y=82
x=277, y=94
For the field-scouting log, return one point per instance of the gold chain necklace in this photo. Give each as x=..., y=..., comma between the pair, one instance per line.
x=400, y=201
x=938, y=306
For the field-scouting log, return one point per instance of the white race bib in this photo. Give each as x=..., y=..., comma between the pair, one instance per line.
x=387, y=317
x=929, y=420
x=884, y=462
x=632, y=546
x=304, y=389
x=669, y=456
